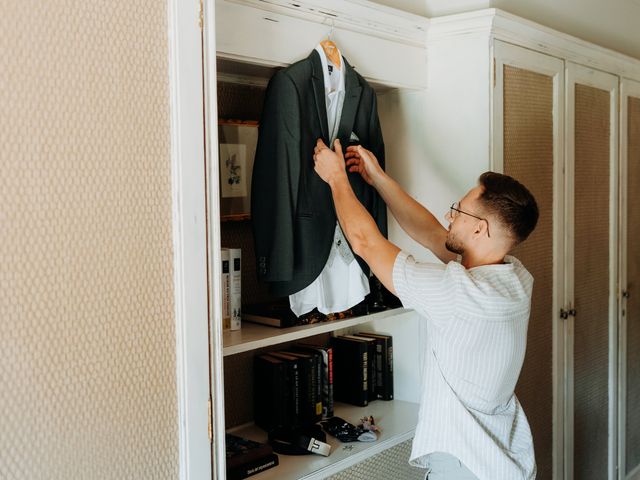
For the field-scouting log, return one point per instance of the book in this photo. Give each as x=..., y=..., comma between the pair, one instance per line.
x=312, y=383
x=224, y=283
x=235, y=288
x=326, y=382
x=350, y=370
x=372, y=378
x=252, y=468
x=293, y=390
x=271, y=398
x=241, y=450
x=384, y=364
x=276, y=314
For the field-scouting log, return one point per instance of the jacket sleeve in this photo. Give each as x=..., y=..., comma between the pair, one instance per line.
x=379, y=210
x=275, y=179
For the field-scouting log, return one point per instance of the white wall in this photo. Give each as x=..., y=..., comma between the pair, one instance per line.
x=612, y=24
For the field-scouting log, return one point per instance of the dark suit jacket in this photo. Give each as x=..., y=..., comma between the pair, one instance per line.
x=291, y=206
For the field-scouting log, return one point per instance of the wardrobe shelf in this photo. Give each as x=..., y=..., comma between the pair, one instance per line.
x=253, y=335
x=397, y=420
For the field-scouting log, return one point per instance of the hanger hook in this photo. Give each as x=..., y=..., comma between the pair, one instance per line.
x=332, y=27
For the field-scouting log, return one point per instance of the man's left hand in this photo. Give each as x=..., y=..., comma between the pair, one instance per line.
x=329, y=164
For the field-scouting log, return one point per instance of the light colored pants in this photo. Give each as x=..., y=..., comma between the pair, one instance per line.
x=442, y=466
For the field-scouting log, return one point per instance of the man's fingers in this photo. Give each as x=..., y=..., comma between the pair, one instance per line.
x=337, y=147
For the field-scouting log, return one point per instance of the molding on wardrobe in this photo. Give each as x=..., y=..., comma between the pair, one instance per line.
x=189, y=241
x=510, y=28
x=360, y=16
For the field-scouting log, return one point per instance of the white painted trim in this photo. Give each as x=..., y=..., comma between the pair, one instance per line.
x=519, y=31
x=578, y=74
x=628, y=88
x=569, y=242
x=356, y=15
x=507, y=54
x=253, y=336
x=189, y=241
x=213, y=229
x=285, y=35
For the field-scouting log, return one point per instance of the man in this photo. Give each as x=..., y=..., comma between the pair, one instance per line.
x=476, y=305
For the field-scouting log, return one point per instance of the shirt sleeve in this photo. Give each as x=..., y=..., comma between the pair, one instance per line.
x=426, y=287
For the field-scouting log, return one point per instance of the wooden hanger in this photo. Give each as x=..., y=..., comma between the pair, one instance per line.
x=331, y=50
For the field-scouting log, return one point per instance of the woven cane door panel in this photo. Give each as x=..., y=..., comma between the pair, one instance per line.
x=87, y=376
x=392, y=464
x=528, y=157
x=591, y=283
x=633, y=284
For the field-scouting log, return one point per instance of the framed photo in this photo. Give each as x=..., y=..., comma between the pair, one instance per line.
x=237, y=149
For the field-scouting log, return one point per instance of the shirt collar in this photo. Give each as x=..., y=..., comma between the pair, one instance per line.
x=336, y=71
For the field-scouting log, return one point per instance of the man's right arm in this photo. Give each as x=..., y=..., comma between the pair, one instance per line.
x=415, y=219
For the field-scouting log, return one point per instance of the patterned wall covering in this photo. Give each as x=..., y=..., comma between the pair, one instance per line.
x=591, y=283
x=87, y=336
x=528, y=157
x=633, y=281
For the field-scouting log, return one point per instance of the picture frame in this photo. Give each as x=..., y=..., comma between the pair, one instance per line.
x=237, y=141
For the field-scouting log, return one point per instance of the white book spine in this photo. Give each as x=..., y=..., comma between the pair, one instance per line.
x=224, y=283
x=235, y=287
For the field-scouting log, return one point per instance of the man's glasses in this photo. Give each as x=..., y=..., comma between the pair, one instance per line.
x=454, y=210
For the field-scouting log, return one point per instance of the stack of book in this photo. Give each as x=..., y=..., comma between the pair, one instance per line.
x=363, y=366
x=231, y=284
x=294, y=387
x=246, y=457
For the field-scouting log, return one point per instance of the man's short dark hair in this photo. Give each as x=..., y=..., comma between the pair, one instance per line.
x=511, y=202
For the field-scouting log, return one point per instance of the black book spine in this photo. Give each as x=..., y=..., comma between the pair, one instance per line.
x=321, y=367
x=380, y=367
x=329, y=400
x=365, y=375
x=317, y=362
x=309, y=400
x=389, y=371
x=384, y=365
x=269, y=394
x=350, y=369
x=296, y=395
x=371, y=370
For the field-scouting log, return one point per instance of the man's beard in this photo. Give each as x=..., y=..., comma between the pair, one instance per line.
x=453, y=245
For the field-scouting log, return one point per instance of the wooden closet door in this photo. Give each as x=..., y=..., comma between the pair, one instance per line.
x=630, y=281
x=592, y=244
x=528, y=106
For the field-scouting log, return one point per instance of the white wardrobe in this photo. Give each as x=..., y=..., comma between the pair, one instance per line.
x=457, y=96
x=546, y=108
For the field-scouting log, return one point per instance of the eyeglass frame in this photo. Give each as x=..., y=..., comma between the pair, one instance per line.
x=454, y=208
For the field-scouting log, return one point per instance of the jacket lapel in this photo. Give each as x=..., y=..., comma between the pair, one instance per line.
x=351, y=102
x=317, y=77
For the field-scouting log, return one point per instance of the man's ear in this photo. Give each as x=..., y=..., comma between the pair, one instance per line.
x=481, y=228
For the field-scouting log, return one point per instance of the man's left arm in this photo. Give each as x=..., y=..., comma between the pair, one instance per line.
x=357, y=224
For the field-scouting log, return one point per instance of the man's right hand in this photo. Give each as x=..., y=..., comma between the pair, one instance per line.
x=360, y=160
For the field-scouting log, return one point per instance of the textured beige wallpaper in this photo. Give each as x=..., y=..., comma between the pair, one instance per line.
x=87, y=337
x=633, y=281
x=528, y=157
x=591, y=283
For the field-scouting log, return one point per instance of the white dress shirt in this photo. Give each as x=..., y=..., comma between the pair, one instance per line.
x=342, y=283
x=476, y=322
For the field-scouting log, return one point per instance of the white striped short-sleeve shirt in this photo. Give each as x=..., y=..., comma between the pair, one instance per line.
x=476, y=340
